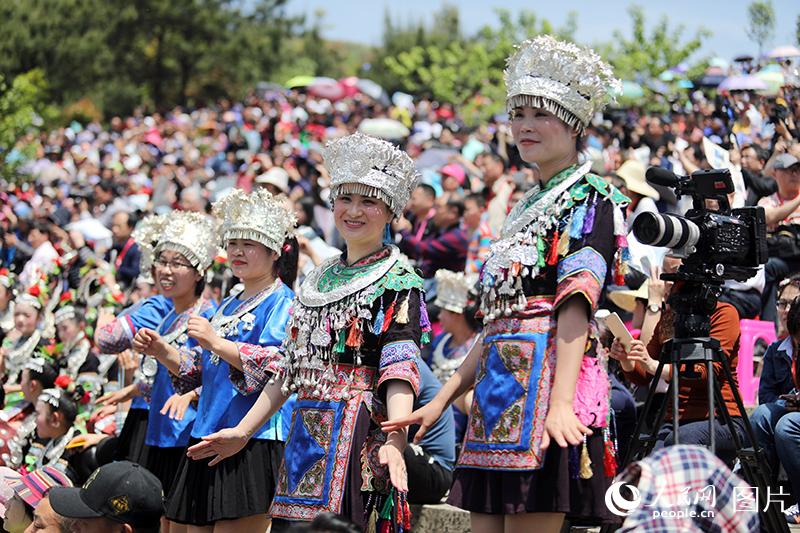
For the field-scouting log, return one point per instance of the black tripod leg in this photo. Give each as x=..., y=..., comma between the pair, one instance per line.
x=754, y=467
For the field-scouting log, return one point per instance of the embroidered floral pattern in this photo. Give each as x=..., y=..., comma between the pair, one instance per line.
x=116, y=336
x=587, y=259
x=397, y=352
x=332, y=485
x=405, y=371
x=581, y=283
x=190, y=372
x=374, y=475
x=259, y=363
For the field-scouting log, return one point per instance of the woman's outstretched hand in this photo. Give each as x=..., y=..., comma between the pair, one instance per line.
x=391, y=455
x=220, y=445
x=425, y=417
x=177, y=405
x=563, y=426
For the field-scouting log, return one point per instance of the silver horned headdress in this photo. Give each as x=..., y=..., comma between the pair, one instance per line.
x=257, y=216
x=192, y=235
x=452, y=290
x=360, y=164
x=65, y=312
x=570, y=81
x=146, y=234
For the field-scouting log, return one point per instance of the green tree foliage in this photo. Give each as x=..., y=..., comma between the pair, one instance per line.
x=23, y=109
x=466, y=71
x=760, y=22
x=645, y=56
x=124, y=53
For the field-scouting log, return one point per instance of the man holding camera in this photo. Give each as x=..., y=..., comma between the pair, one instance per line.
x=782, y=210
x=641, y=362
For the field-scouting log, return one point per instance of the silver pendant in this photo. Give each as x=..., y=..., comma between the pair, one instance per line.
x=149, y=366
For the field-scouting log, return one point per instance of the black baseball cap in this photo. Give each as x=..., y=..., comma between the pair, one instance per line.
x=123, y=491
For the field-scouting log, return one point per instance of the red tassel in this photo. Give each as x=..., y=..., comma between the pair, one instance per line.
x=407, y=516
x=387, y=318
x=552, y=257
x=386, y=526
x=619, y=276
x=609, y=461
x=294, y=333
x=354, y=336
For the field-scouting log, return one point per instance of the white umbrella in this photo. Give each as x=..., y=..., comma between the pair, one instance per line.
x=384, y=128
x=370, y=88
x=784, y=51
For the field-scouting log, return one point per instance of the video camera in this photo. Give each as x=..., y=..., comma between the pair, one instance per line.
x=716, y=242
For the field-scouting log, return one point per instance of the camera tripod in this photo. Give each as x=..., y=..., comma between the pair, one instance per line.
x=694, y=301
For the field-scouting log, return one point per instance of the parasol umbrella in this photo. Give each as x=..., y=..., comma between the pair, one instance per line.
x=349, y=85
x=685, y=84
x=784, y=51
x=712, y=77
x=299, y=81
x=327, y=88
x=631, y=89
x=434, y=158
x=384, y=128
x=773, y=79
x=744, y=58
x=667, y=75
x=371, y=89
x=742, y=83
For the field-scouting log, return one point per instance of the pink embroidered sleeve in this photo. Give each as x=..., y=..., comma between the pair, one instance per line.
x=116, y=336
x=190, y=375
x=258, y=363
x=399, y=361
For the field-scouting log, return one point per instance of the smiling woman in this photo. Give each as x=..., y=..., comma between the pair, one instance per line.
x=537, y=444
x=350, y=355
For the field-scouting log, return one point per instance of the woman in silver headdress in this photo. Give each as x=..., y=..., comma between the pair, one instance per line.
x=6, y=302
x=350, y=354
x=185, y=250
x=224, y=360
x=537, y=445
x=24, y=338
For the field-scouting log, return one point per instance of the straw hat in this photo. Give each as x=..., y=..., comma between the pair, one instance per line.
x=633, y=174
x=626, y=298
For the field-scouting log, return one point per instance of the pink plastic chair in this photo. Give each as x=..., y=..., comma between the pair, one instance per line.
x=751, y=332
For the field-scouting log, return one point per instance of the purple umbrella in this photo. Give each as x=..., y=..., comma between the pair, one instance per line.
x=742, y=83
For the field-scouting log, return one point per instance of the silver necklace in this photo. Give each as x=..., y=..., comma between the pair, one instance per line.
x=223, y=325
x=311, y=296
x=519, y=217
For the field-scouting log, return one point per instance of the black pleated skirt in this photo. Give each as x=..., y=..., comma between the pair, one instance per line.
x=239, y=486
x=164, y=463
x=131, y=444
x=551, y=489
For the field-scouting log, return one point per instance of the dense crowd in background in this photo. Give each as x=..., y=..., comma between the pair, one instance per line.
x=69, y=261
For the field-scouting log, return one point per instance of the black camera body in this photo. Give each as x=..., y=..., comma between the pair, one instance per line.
x=716, y=242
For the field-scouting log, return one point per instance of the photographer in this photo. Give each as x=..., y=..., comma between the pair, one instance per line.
x=641, y=362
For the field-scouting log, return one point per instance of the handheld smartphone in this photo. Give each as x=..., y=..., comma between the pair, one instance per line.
x=615, y=325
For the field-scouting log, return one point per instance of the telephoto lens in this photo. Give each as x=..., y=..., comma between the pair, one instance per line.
x=672, y=231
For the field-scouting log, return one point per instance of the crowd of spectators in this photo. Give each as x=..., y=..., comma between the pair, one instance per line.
x=66, y=234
